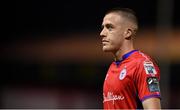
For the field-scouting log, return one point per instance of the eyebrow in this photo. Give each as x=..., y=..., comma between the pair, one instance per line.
x=107, y=25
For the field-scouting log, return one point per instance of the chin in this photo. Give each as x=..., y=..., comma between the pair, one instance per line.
x=106, y=50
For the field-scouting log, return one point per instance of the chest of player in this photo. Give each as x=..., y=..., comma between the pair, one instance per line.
x=119, y=78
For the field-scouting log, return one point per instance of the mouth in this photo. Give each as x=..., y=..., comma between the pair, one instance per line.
x=104, y=42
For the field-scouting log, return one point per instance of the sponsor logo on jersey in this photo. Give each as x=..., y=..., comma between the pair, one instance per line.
x=122, y=74
x=112, y=97
x=153, y=84
x=149, y=68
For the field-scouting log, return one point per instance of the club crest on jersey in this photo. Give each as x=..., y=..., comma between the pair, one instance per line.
x=122, y=74
x=149, y=68
x=106, y=76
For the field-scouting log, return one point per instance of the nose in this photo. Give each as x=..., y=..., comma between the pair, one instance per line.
x=102, y=34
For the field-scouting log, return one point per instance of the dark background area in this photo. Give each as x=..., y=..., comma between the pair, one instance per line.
x=39, y=20
x=34, y=17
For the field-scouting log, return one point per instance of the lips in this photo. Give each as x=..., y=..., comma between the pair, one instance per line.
x=104, y=42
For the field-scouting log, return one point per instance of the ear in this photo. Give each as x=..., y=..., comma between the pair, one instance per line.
x=128, y=33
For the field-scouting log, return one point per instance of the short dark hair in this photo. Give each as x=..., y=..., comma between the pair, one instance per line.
x=125, y=12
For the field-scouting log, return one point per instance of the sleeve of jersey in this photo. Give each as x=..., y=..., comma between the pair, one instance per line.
x=147, y=80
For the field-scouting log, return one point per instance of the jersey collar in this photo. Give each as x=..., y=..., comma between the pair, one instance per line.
x=124, y=57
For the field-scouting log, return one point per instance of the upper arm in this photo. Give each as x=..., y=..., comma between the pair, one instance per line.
x=147, y=82
x=151, y=103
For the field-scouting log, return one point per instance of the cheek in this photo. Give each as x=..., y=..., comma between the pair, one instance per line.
x=116, y=39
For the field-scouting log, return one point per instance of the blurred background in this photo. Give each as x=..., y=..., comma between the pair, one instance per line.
x=51, y=56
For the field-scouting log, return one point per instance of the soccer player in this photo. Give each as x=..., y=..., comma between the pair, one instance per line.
x=132, y=81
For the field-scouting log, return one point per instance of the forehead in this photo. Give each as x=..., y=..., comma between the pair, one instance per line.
x=112, y=18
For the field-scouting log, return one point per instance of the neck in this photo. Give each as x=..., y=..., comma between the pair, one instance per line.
x=123, y=50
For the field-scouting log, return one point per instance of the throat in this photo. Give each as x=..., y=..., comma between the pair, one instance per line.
x=118, y=56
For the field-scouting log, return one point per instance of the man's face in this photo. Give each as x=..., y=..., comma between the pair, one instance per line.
x=112, y=33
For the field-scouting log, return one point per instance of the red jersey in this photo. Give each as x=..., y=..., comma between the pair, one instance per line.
x=135, y=77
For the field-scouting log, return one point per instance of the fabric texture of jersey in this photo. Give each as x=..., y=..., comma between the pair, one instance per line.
x=135, y=77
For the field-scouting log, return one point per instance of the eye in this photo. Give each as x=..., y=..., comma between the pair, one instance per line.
x=109, y=27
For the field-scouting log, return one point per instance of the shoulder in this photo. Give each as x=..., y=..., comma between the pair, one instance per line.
x=146, y=63
x=141, y=57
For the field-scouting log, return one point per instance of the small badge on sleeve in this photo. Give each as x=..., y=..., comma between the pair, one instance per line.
x=149, y=68
x=153, y=84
